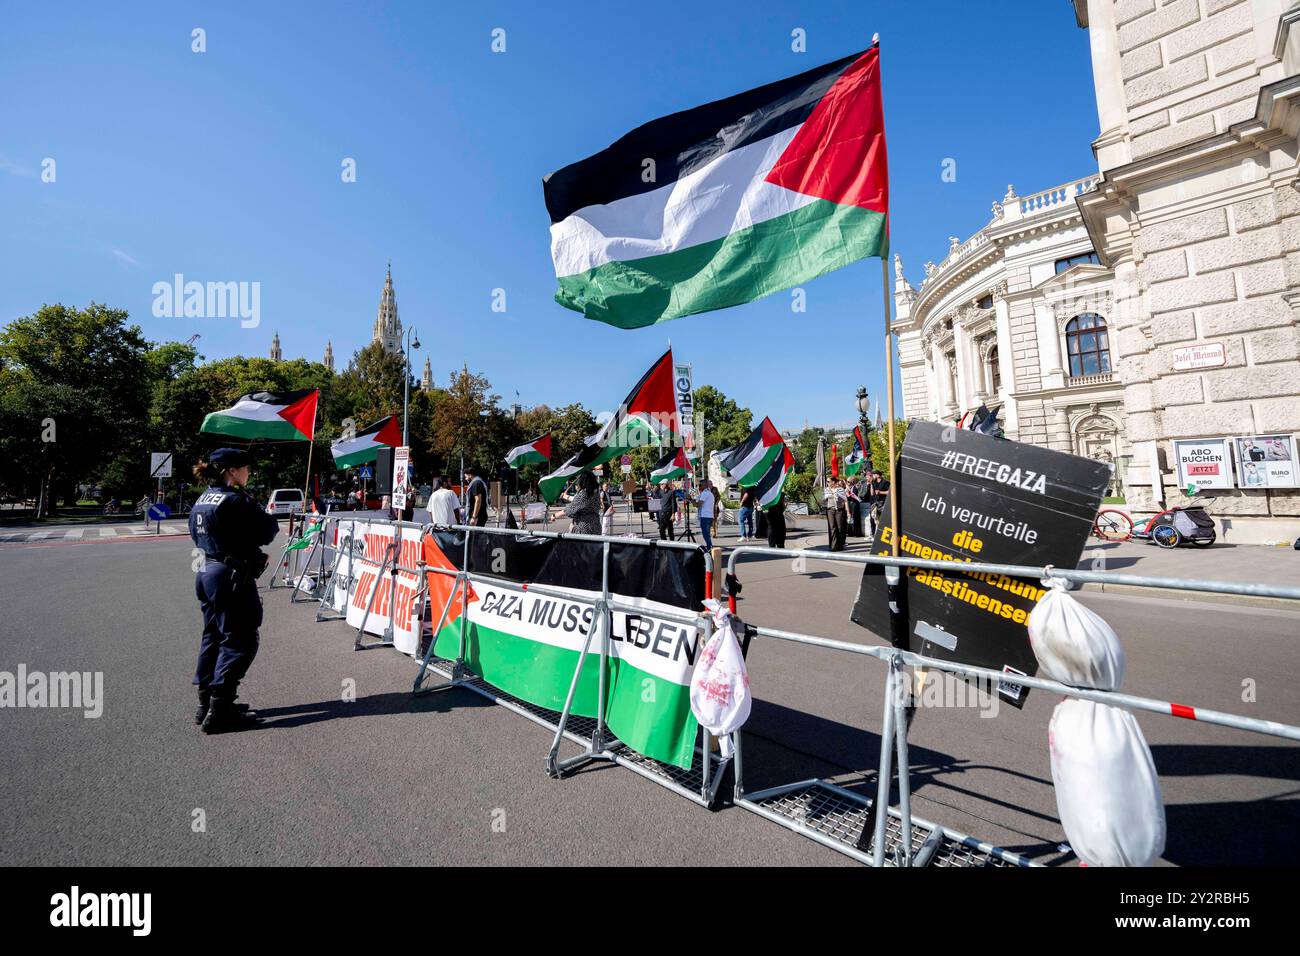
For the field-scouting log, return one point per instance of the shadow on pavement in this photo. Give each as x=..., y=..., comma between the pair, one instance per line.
x=376, y=705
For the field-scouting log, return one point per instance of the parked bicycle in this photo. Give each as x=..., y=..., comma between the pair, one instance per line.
x=1111, y=524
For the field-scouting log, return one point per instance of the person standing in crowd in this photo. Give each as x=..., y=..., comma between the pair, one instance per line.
x=746, y=514
x=230, y=528
x=837, y=505
x=707, y=504
x=606, y=510
x=667, y=511
x=583, y=506
x=476, y=495
x=776, y=524
x=879, y=487
x=444, y=506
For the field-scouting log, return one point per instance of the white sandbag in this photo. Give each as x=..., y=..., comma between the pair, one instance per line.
x=1107, y=791
x=720, y=698
x=1073, y=645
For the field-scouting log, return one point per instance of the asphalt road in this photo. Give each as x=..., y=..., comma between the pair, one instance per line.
x=392, y=779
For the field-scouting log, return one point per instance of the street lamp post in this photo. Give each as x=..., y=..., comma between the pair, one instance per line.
x=406, y=383
x=864, y=409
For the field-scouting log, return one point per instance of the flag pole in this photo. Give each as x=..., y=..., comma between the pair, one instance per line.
x=889, y=404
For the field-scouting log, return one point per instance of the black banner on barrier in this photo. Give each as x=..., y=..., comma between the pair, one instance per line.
x=969, y=497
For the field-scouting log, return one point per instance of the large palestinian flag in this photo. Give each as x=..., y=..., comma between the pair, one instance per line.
x=364, y=446
x=648, y=416
x=749, y=461
x=271, y=416
x=727, y=202
x=671, y=466
x=539, y=449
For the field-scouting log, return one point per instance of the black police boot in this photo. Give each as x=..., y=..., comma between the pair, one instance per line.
x=205, y=698
x=225, y=715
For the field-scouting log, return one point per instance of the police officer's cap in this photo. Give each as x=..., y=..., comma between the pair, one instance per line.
x=229, y=458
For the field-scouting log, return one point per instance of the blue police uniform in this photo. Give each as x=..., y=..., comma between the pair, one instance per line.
x=230, y=528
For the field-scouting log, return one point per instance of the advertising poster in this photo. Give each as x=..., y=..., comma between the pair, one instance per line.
x=401, y=476
x=969, y=497
x=1267, y=461
x=683, y=387
x=1203, y=462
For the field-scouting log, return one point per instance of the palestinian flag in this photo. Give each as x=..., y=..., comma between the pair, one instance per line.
x=364, y=446
x=308, y=534
x=539, y=449
x=272, y=416
x=671, y=466
x=648, y=416
x=750, y=460
x=772, y=484
x=727, y=202
x=854, y=460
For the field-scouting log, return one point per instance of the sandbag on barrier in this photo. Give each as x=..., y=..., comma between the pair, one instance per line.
x=1073, y=645
x=1107, y=791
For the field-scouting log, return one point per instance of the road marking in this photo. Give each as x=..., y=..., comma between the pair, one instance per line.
x=75, y=534
x=108, y=532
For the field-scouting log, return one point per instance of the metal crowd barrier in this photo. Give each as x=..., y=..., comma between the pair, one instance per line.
x=841, y=819
x=831, y=815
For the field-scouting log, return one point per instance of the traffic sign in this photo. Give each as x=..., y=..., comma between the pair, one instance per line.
x=159, y=511
x=160, y=464
x=365, y=471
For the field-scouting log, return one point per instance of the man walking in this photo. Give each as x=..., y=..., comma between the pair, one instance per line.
x=705, y=510
x=476, y=495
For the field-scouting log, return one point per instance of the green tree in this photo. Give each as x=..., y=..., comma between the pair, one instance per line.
x=74, y=394
x=725, y=422
x=879, y=442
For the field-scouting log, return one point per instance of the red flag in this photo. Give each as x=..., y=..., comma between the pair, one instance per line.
x=835, y=460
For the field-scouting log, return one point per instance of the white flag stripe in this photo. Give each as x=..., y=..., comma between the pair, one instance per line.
x=725, y=196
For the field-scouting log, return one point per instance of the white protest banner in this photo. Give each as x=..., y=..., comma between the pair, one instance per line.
x=394, y=595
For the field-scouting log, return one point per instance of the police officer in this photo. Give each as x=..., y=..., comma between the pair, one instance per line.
x=230, y=528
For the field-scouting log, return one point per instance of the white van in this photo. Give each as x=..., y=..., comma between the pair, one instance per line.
x=285, y=501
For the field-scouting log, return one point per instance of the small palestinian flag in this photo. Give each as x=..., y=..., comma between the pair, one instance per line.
x=770, y=487
x=750, y=460
x=671, y=467
x=270, y=416
x=854, y=460
x=364, y=447
x=728, y=202
x=308, y=534
x=648, y=416
x=539, y=449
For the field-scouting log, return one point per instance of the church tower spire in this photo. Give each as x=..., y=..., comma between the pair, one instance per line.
x=388, y=327
x=275, y=348
x=426, y=382
x=329, y=355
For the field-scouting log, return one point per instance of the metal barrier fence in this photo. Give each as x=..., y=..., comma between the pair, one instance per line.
x=817, y=809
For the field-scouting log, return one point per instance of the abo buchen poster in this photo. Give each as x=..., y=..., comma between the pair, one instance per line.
x=969, y=497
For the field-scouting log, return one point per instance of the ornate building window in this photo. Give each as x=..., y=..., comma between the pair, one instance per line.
x=1087, y=344
x=995, y=372
x=1063, y=264
x=986, y=302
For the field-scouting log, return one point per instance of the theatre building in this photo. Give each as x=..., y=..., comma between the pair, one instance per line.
x=1145, y=314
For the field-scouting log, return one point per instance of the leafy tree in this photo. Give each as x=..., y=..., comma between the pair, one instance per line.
x=879, y=441
x=725, y=422
x=74, y=394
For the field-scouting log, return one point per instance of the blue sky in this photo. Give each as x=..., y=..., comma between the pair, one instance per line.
x=225, y=166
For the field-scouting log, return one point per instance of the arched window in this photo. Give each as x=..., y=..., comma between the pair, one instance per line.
x=1087, y=344
x=995, y=372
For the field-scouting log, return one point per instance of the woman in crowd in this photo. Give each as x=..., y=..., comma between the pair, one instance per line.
x=583, y=506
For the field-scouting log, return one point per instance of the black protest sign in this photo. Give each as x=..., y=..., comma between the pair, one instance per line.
x=963, y=497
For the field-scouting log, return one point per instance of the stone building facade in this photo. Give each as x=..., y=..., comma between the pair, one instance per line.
x=1017, y=318
x=1198, y=215
x=1183, y=250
